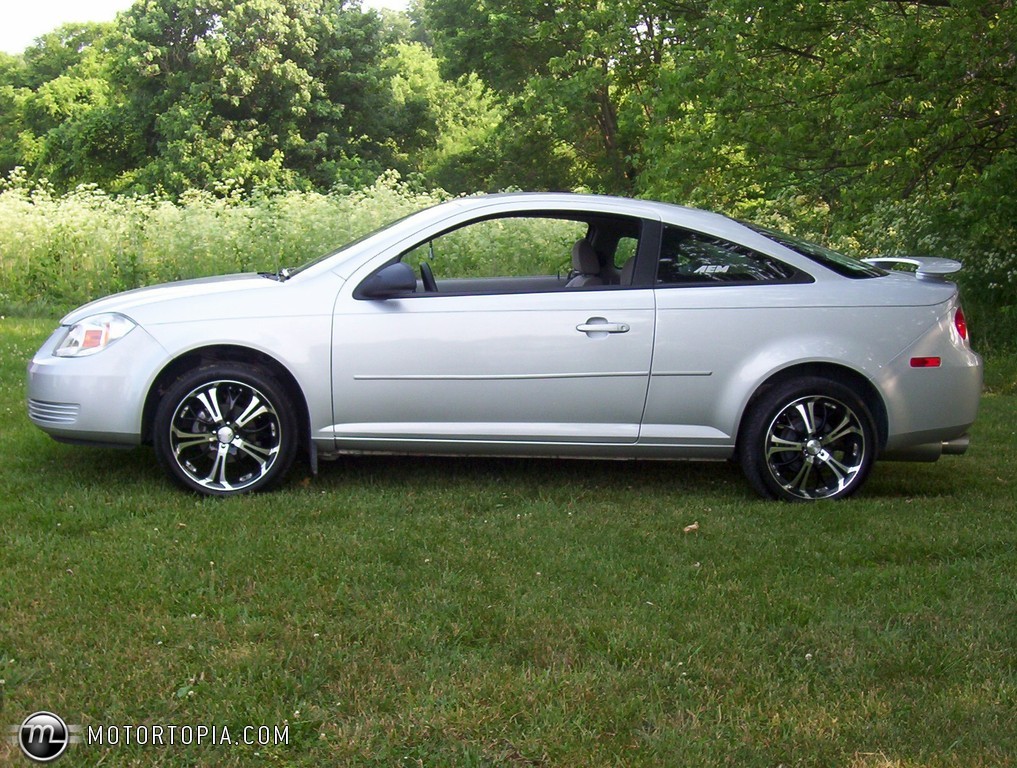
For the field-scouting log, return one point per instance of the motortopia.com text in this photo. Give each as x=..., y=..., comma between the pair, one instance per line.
x=172, y=735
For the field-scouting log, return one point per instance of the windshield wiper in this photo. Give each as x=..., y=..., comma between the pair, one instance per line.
x=282, y=275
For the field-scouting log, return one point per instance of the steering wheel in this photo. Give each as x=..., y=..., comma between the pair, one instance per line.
x=427, y=277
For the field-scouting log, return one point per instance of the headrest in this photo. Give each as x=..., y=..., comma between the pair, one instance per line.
x=584, y=258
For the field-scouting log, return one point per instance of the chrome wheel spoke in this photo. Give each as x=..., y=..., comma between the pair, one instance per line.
x=841, y=471
x=807, y=411
x=846, y=427
x=782, y=445
x=184, y=440
x=800, y=481
x=251, y=412
x=256, y=452
x=210, y=400
x=217, y=475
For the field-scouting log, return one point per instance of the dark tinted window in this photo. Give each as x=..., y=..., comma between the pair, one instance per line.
x=829, y=258
x=691, y=257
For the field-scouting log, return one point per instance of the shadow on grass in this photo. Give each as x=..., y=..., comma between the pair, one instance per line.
x=65, y=468
x=720, y=479
x=429, y=471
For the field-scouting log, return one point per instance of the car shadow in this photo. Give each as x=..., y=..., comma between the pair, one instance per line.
x=433, y=472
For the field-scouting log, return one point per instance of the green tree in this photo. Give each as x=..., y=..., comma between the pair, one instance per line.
x=11, y=79
x=263, y=92
x=882, y=126
x=849, y=103
x=56, y=52
x=443, y=129
x=60, y=115
x=574, y=74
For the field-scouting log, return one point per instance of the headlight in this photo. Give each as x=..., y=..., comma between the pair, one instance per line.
x=94, y=334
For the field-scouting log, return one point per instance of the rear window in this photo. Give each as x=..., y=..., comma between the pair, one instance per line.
x=829, y=258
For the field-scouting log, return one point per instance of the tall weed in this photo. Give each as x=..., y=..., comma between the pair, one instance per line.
x=59, y=251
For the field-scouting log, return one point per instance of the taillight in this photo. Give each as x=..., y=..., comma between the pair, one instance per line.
x=961, y=323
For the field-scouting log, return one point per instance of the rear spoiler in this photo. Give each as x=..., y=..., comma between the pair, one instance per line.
x=926, y=267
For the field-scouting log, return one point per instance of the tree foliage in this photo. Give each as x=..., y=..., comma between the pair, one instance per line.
x=276, y=93
x=442, y=124
x=880, y=126
x=263, y=92
x=565, y=71
x=846, y=102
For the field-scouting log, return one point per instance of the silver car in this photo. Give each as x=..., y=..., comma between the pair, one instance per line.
x=530, y=324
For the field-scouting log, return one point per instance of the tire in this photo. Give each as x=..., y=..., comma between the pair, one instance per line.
x=808, y=439
x=225, y=429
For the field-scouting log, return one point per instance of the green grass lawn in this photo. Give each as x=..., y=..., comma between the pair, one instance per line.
x=441, y=612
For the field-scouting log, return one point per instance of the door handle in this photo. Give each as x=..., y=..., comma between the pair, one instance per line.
x=600, y=325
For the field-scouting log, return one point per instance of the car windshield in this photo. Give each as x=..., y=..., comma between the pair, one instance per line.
x=291, y=272
x=829, y=258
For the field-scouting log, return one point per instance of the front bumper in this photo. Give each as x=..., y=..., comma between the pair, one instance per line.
x=95, y=399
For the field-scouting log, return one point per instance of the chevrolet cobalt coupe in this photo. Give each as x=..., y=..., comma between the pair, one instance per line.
x=536, y=325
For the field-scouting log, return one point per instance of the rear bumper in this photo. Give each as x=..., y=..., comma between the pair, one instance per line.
x=930, y=409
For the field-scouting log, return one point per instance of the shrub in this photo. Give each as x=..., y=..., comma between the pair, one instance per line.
x=61, y=251
x=924, y=227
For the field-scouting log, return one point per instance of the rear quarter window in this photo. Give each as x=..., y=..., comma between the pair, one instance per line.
x=692, y=258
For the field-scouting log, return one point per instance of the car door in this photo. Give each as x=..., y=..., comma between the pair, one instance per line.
x=512, y=362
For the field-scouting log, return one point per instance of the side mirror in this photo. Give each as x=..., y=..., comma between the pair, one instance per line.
x=394, y=280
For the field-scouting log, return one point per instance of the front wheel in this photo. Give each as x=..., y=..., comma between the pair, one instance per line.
x=808, y=439
x=225, y=429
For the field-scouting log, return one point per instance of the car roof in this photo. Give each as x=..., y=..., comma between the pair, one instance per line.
x=633, y=206
x=709, y=222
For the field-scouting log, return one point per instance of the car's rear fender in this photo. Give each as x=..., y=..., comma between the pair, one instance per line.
x=912, y=406
x=861, y=384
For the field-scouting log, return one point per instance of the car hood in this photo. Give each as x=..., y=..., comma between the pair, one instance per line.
x=146, y=301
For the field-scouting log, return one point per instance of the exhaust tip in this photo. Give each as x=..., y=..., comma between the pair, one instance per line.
x=957, y=446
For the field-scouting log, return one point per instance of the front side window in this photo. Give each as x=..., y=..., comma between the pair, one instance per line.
x=527, y=252
x=502, y=247
x=693, y=258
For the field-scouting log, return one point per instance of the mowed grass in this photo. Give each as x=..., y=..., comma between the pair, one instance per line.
x=445, y=612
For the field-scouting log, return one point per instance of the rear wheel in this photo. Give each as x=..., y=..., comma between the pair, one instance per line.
x=808, y=439
x=225, y=429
